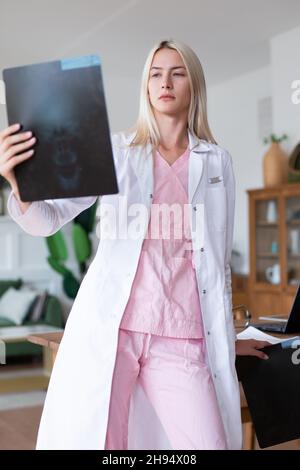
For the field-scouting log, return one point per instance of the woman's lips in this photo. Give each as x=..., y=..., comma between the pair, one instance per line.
x=165, y=98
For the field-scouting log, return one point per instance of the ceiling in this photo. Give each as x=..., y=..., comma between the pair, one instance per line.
x=231, y=37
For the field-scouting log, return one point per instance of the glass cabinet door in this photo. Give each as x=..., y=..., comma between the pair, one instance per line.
x=267, y=241
x=292, y=211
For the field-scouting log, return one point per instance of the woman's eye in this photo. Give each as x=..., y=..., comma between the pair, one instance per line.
x=157, y=74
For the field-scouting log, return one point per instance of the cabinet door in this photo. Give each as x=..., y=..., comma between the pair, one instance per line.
x=292, y=239
x=265, y=303
x=287, y=303
x=266, y=241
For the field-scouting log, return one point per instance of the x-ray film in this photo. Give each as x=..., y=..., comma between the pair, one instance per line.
x=63, y=104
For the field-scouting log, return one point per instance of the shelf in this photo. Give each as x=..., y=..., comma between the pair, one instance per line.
x=268, y=255
x=262, y=285
x=264, y=223
x=293, y=222
x=291, y=287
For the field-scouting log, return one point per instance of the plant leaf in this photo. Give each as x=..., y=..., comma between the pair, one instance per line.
x=57, y=246
x=57, y=266
x=82, y=244
x=71, y=285
x=87, y=218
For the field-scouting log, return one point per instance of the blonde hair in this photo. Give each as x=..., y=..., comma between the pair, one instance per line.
x=146, y=128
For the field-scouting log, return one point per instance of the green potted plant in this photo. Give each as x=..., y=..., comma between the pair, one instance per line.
x=274, y=138
x=83, y=226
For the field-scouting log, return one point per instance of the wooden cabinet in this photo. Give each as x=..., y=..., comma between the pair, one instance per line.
x=274, y=236
x=239, y=289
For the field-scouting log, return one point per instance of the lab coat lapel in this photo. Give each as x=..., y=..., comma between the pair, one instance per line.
x=141, y=160
x=197, y=147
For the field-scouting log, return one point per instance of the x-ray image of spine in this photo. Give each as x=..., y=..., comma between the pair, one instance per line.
x=65, y=159
x=63, y=140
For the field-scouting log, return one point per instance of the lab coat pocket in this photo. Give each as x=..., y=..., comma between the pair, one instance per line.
x=215, y=206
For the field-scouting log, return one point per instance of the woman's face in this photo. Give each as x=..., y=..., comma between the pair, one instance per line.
x=168, y=75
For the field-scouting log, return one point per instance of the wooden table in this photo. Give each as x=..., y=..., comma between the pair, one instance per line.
x=49, y=341
x=30, y=380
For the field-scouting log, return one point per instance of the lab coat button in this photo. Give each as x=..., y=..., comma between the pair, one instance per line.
x=204, y=291
x=151, y=196
x=215, y=376
x=202, y=249
x=208, y=332
x=195, y=208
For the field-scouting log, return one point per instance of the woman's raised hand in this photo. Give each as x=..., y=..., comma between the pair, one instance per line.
x=14, y=149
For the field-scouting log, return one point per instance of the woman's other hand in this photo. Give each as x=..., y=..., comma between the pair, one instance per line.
x=251, y=347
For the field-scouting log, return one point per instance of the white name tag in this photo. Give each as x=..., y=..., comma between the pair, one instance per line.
x=215, y=179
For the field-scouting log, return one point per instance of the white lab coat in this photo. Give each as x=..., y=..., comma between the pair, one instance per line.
x=75, y=414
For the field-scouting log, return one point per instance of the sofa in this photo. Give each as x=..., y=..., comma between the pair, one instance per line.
x=51, y=314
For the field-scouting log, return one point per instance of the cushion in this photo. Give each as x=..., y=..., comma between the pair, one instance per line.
x=5, y=322
x=14, y=304
x=36, y=311
x=7, y=283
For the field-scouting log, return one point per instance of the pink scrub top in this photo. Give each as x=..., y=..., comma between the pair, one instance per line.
x=164, y=298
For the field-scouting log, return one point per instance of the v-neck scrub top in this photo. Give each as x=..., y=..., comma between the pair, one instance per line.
x=164, y=298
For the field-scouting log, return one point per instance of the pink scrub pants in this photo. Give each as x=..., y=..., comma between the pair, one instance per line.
x=178, y=384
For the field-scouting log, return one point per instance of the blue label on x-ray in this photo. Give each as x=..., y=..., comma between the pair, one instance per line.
x=79, y=62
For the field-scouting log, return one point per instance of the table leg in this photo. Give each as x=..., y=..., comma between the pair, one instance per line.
x=48, y=360
x=18, y=382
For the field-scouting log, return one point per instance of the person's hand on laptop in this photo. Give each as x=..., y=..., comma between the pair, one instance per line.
x=10, y=145
x=251, y=347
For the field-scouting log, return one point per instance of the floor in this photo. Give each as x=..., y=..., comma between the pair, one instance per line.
x=20, y=415
x=18, y=428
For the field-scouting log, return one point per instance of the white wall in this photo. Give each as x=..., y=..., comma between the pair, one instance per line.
x=233, y=117
x=122, y=113
x=285, y=68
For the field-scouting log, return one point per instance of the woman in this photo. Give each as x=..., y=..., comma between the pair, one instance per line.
x=148, y=355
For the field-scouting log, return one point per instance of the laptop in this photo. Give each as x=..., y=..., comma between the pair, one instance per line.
x=291, y=325
x=63, y=103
